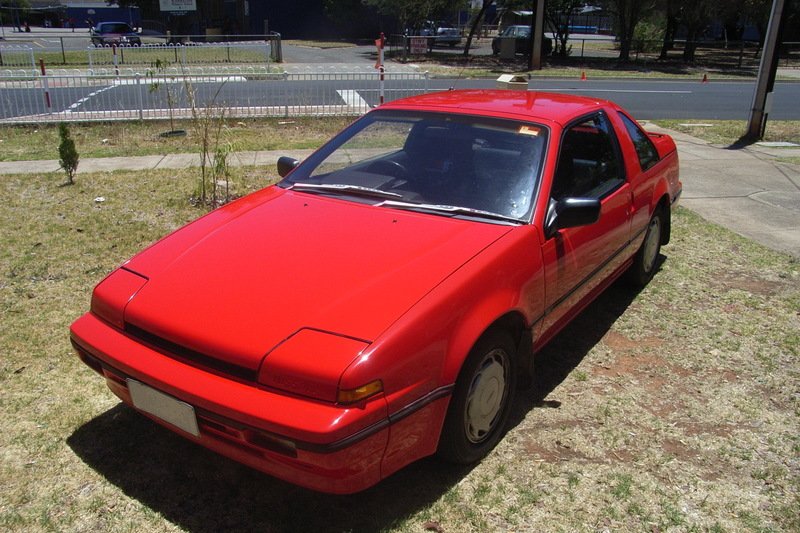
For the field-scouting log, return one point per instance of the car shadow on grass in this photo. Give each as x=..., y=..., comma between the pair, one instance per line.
x=201, y=491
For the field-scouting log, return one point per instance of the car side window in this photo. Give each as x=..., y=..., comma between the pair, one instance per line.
x=589, y=164
x=648, y=155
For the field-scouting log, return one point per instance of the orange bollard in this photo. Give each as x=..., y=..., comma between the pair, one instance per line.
x=705, y=79
x=583, y=75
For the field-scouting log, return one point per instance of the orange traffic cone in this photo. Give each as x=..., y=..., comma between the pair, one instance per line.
x=583, y=75
x=705, y=78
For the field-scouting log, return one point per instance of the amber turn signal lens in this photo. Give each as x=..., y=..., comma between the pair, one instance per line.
x=361, y=393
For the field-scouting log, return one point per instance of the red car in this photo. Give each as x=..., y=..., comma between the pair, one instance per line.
x=381, y=303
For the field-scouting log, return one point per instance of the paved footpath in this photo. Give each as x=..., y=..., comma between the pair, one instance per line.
x=746, y=190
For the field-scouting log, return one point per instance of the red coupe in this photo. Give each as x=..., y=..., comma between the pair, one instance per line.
x=381, y=303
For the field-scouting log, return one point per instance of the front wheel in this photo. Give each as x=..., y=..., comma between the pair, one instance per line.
x=481, y=400
x=646, y=259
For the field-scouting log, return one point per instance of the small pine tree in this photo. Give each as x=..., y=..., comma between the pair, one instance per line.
x=68, y=155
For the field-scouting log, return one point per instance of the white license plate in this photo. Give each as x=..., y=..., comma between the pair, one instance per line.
x=171, y=410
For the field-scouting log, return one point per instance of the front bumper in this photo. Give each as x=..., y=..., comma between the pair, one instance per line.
x=313, y=444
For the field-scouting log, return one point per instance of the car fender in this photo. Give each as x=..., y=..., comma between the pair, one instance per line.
x=423, y=351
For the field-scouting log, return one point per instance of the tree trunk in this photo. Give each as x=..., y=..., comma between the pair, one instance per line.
x=475, y=24
x=669, y=31
x=689, y=49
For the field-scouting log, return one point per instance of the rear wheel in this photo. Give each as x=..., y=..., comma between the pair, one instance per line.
x=481, y=400
x=646, y=259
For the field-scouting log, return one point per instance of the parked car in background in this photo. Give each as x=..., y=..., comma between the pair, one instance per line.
x=447, y=36
x=522, y=38
x=381, y=303
x=114, y=33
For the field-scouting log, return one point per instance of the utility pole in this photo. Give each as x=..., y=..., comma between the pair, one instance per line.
x=762, y=98
x=537, y=31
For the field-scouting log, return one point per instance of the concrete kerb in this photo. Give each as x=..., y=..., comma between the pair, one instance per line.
x=745, y=190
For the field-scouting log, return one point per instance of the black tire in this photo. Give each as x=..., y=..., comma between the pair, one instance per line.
x=645, y=262
x=481, y=402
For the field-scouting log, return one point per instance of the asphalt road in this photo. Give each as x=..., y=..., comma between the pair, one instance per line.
x=728, y=100
x=684, y=99
x=689, y=100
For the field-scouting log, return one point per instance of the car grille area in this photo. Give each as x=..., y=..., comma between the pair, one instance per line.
x=191, y=357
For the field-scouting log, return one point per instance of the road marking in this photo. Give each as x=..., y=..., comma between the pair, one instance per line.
x=88, y=97
x=353, y=99
x=580, y=90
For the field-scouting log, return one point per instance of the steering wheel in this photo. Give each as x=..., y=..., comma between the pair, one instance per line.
x=388, y=167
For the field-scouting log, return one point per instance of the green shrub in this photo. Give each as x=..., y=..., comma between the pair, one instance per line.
x=67, y=153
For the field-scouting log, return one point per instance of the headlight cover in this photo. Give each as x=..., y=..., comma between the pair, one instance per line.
x=112, y=294
x=310, y=363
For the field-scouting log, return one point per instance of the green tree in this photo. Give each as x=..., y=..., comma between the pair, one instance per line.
x=695, y=16
x=476, y=22
x=627, y=15
x=414, y=13
x=559, y=15
x=67, y=153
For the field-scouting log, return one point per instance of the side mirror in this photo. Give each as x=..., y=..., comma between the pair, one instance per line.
x=571, y=213
x=286, y=164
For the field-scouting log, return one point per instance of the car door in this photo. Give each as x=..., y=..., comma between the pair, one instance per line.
x=578, y=260
x=642, y=170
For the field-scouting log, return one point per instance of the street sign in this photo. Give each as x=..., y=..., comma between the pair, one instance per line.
x=419, y=45
x=177, y=5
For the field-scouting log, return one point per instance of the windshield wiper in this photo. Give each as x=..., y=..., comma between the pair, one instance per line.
x=450, y=209
x=357, y=190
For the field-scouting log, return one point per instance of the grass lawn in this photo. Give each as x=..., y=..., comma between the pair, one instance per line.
x=727, y=132
x=675, y=408
x=114, y=139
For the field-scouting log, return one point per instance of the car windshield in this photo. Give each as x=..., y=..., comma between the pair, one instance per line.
x=114, y=27
x=453, y=165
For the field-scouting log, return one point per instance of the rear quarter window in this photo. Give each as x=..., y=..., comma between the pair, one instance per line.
x=647, y=153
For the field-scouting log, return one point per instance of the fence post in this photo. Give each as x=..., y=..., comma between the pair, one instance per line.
x=140, y=88
x=285, y=93
x=116, y=61
x=741, y=54
x=45, y=87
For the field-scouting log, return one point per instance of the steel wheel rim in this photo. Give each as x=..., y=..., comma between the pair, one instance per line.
x=650, y=252
x=487, y=396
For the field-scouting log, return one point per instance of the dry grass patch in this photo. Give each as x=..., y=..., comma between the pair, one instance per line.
x=672, y=409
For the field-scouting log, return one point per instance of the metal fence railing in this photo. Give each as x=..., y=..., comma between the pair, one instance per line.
x=61, y=96
x=12, y=55
x=75, y=49
x=179, y=54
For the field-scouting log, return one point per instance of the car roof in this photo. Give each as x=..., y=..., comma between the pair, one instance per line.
x=529, y=105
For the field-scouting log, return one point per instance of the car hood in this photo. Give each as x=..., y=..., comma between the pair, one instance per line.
x=236, y=283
